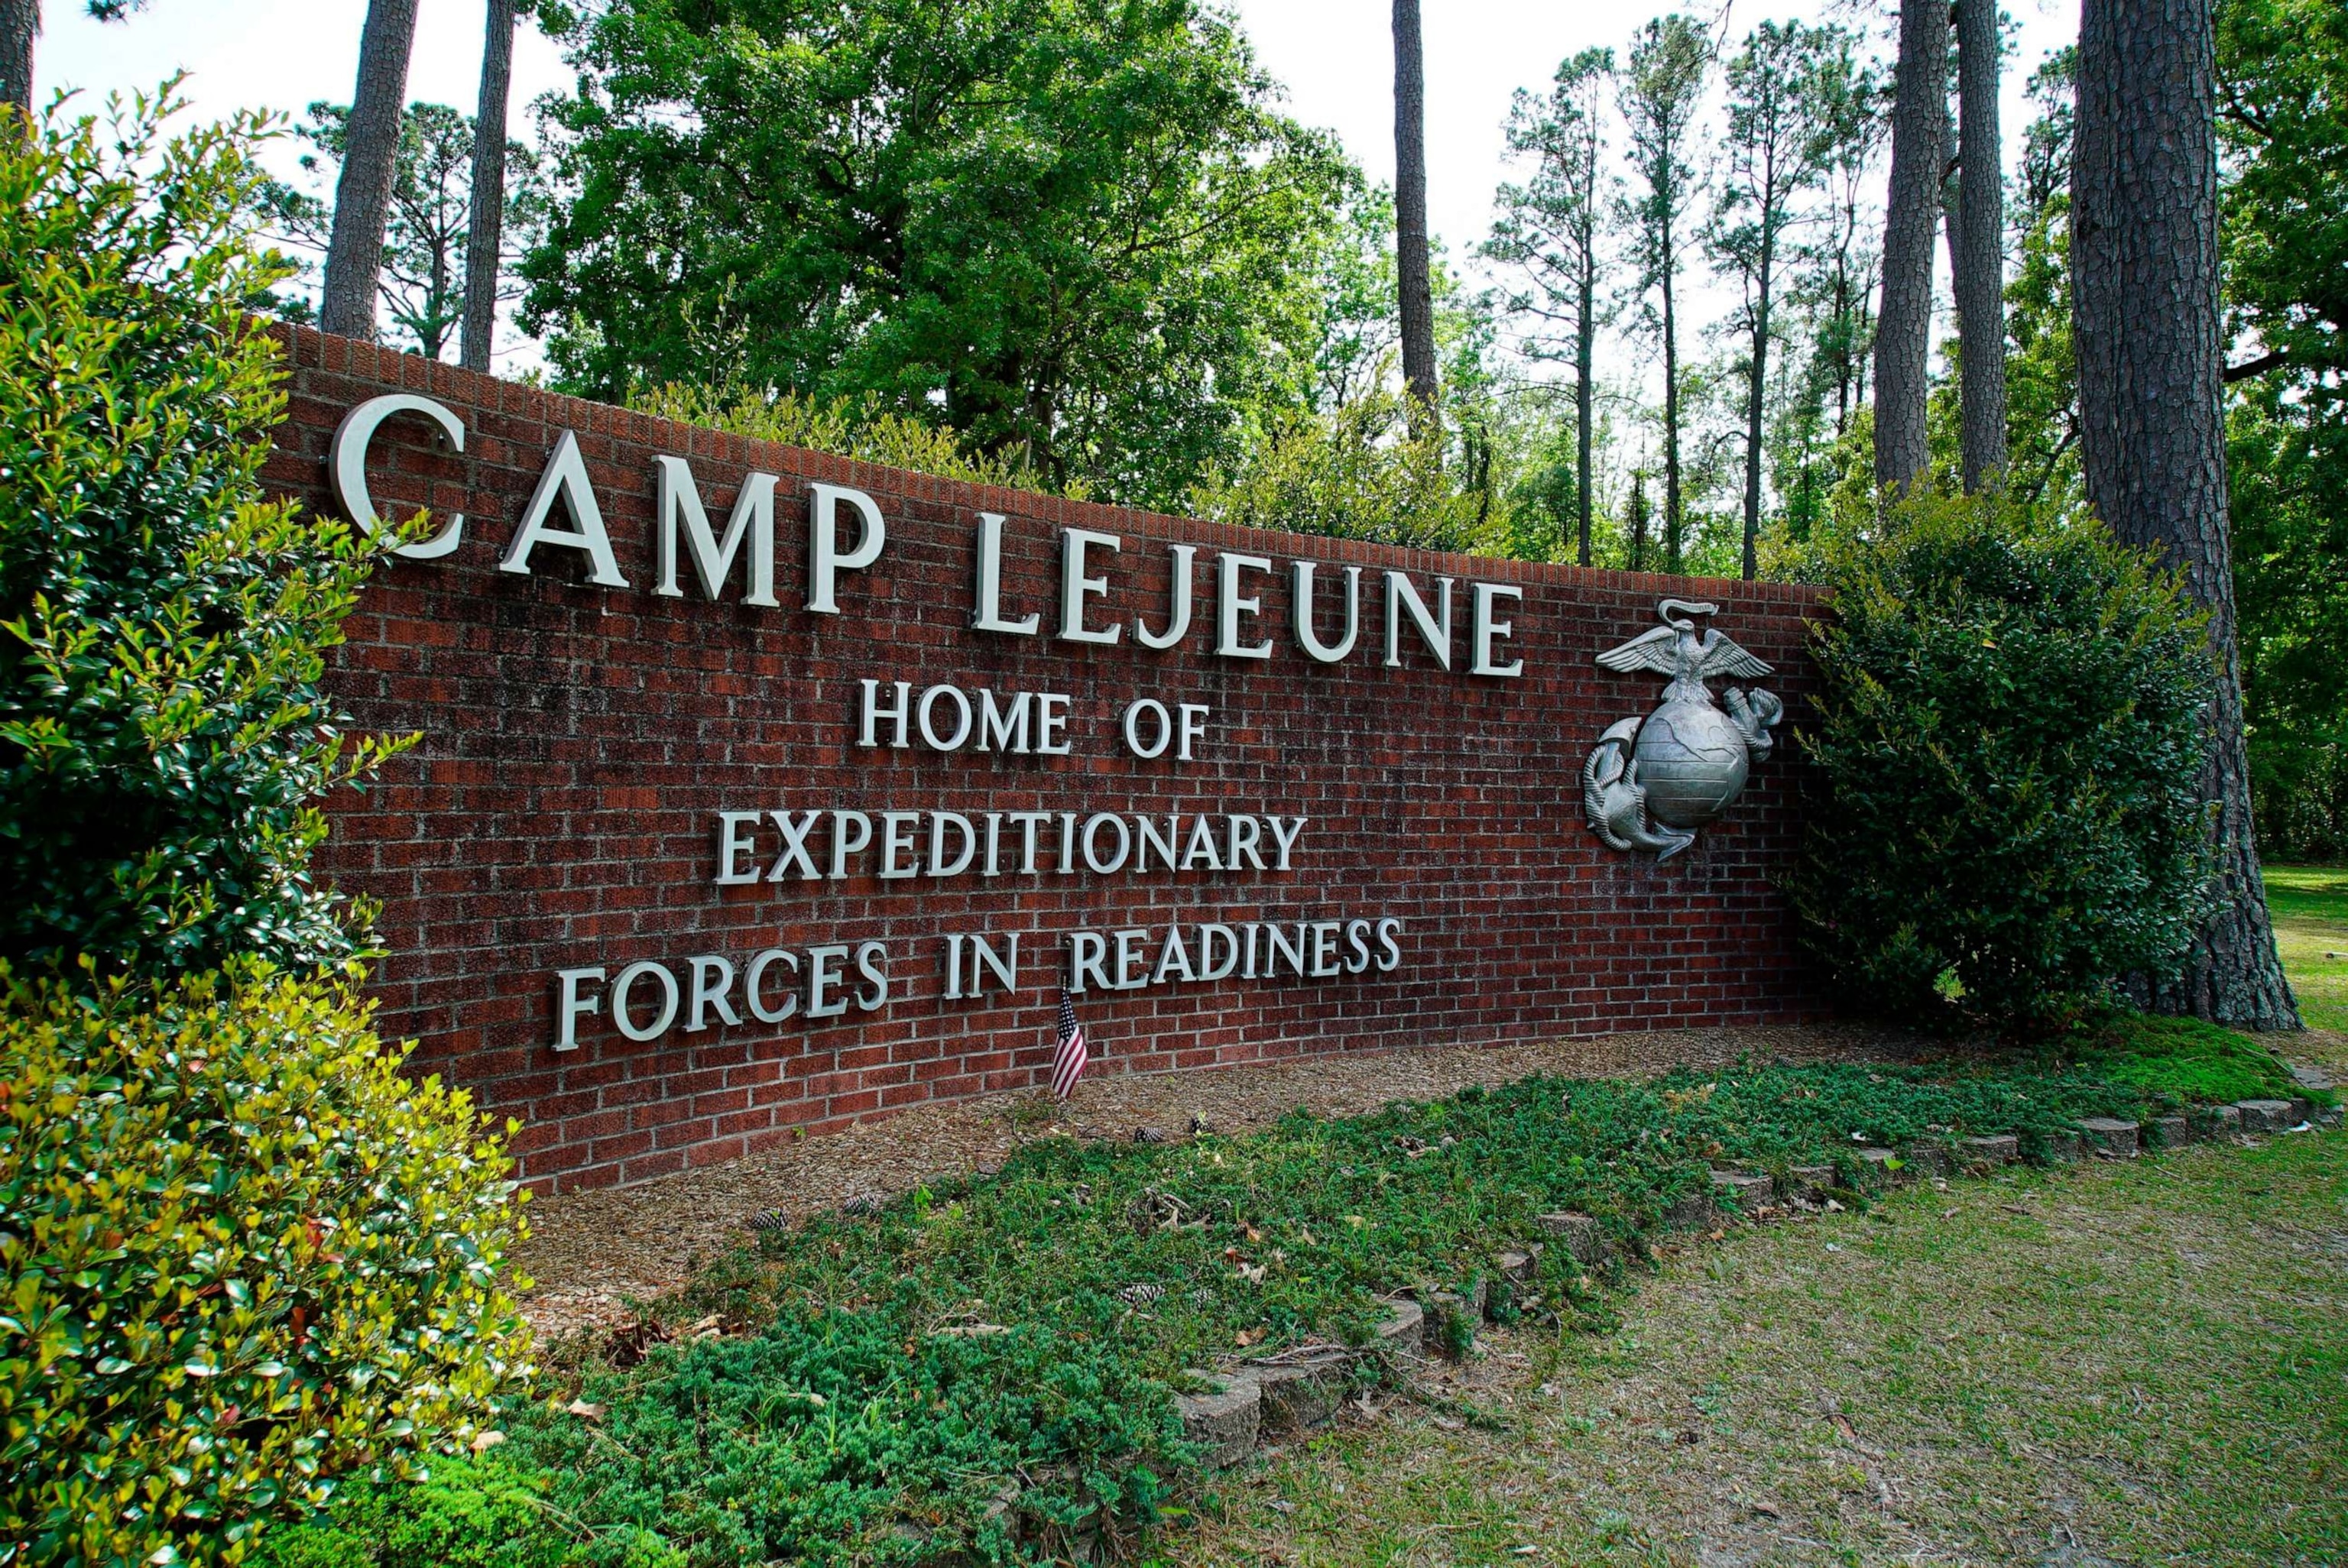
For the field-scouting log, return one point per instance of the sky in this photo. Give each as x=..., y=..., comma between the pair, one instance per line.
x=1335, y=56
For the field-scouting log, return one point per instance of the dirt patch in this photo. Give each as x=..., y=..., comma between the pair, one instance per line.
x=591, y=1254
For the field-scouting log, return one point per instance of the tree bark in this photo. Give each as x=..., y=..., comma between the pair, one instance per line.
x=485, y=235
x=2144, y=264
x=1410, y=217
x=370, y=165
x=1674, y=539
x=1903, y=327
x=1981, y=248
x=20, y=24
x=1756, y=389
x=1585, y=357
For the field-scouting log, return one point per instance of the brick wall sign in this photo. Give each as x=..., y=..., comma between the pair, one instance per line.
x=761, y=790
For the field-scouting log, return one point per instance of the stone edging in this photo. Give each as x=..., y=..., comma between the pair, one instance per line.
x=1252, y=1400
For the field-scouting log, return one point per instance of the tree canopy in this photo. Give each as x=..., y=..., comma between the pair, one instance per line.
x=1075, y=228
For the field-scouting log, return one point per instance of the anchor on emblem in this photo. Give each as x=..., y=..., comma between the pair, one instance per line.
x=1651, y=783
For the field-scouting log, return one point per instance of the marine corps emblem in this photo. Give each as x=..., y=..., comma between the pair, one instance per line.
x=1649, y=783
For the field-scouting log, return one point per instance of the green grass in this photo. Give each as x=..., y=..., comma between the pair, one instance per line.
x=2145, y=1358
x=2309, y=904
x=905, y=1386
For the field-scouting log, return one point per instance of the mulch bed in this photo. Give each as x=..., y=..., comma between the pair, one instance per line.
x=592, y=1254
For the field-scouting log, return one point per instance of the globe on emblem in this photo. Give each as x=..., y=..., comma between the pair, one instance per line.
x=1649, y=783
x=1691, y=761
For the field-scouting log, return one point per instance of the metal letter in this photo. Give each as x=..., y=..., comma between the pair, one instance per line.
x=676, y=500
x=1086, y=951
x=938, y=821
x=620, y=988
x=573, y=1006
x=1075, y=586
x=1230, y=607
x=709, y=991
x=1124, y=843
x=825, y=562
x=928, y=731
x=346, y=469
x=987, y=612
x=821, y=977
x=753, y=982
x=1402, y=596
x=892, y=842
x=1300, y=614
x=1133, y=733
x=873, y=963
x=732, y=845
x=1484, y=631
x=565, y=477
x=1177, y=622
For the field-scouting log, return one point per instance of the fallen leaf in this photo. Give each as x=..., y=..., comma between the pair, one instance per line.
x=585, y=1411
x=484, y=1441
x=1767, y=1511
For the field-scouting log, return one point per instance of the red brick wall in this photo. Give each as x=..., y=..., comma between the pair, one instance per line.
x=577, y=743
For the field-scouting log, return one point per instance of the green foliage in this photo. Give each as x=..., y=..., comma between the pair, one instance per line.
x=462, y=1513
x=2005, y=824
x=2283, y=128
x=428, y=223
x=1072, y=229
x=242, y=1256
x=163, y=732
x=2288, y=453
x=1355, y=472
x=864, y=431
x=2199, y=1063
x=2283, y=123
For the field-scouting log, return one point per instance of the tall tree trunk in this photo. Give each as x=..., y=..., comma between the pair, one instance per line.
x=370, y=165
x=485, y=235
x=20, y=24
x=1672, y=540
x=1755, y=388
x=2144, y=256
x=1638, y=517
x=1981, y=248
x=1903, y=330
x=1410, y=216
x=1584, y=356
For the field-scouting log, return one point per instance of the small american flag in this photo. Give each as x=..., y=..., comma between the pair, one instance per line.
x=1069, y=1064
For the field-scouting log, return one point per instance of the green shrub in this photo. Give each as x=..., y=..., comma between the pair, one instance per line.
x=1354, y=474
x=863, y=431
x=162, y=735
x=240, y=1256
x=2006, y=824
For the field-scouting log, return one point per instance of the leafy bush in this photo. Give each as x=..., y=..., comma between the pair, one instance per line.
x=242, y=1256
x=1353, y=473
x=163, y=735
x=2005, y=824
x=861, y=430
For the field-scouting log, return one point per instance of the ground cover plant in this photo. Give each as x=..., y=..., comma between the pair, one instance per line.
x=987, y=1367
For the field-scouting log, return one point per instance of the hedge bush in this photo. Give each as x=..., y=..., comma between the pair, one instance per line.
x=242, y=1256
x=163, y=739
x=2006, y=824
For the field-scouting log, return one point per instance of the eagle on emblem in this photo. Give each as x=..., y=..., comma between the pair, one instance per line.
x=1651, y=783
